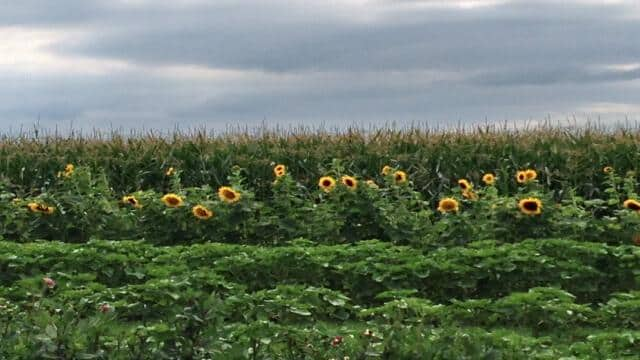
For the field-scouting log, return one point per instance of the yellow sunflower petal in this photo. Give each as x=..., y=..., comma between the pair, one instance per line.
x=327, y=183
x=201, y=212
x=350, y=182
x=530, y=206
x=489, y=179
x=228, y=195
x=400, y=177
x=448, y=205
x=172, y=200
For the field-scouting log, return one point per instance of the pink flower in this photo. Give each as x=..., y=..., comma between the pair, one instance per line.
x=105, y=308
x=49, y=282
x=337, y=340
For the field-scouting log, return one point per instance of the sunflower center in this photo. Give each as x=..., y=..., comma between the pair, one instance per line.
x=132, y=201
x=173, y=201
x=530, y=205
x=349, y=182
x=448, y=205
x=229, y=194
x=326, y=183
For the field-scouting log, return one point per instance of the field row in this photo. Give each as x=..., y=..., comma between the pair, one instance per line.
x=541, y=309
x=570, y=159
x=202, y=336
x=339, y=208
x=538, y=299
x=590, y=271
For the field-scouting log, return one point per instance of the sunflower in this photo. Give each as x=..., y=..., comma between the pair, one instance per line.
x=68, y=171
x=350, y=182
x=201, y=212
x=386, y=170
x=464, y=185
x=521, y=177
x=228, y=195
x=607, y=170
x=632, y=204
x=489, y=179
x=280, y=170
x=530, y=206
x=448, y=205
x=470, y=195
x=372, y=184
x=531, y=174
x=131, y=200
x=327, y=183
x=170, y=171
x=172, y=200
x=400, y=177
x=33, y=207
x=41, y=208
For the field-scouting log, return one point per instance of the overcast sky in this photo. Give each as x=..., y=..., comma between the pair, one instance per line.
x=161, y=63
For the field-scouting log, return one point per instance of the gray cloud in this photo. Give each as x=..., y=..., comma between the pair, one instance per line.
x=320, y=61
x=510, y=35
x=51, y=13
x=545, y=76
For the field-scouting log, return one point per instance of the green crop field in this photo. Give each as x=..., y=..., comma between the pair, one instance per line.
x=307, y=245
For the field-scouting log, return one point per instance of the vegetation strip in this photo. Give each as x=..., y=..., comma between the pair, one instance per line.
x=520, y=245
x=591, y=271
x=574, y=158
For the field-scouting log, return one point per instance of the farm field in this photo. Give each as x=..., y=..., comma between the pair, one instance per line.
x=388, y=245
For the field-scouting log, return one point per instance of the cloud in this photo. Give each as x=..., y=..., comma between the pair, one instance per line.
x=43, y=13
x=364, y=37
x=157, y=63
x=545, y=76
x=27, y=50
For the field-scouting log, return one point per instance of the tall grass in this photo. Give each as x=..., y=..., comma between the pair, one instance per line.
x=566, y=158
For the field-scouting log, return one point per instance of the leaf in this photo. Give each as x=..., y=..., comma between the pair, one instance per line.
x=336, y=300
x=300, y=312
x=87, y=356
x=52, y=331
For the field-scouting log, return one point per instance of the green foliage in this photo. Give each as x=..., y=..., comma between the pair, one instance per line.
x=136, y=252
x=305, y=322
x=571, y=158
x=83, y=206
x=591, y=271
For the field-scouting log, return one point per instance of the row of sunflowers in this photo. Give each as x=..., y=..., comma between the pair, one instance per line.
x=343, y=208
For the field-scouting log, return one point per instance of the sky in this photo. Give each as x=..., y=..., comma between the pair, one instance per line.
x=162, y=64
